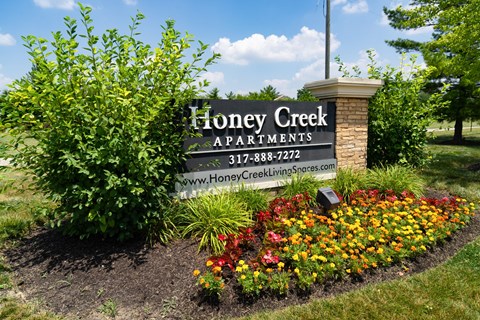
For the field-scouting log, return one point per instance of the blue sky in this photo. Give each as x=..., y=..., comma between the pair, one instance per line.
x=262, y=42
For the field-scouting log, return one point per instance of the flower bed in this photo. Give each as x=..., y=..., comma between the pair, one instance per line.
x=296, y=243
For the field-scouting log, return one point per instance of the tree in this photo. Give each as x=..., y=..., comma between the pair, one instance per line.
x=268, y=93
x=305, y=95
x=214, y=94
x=110, y=135
x=454, y=50
x=230, y=95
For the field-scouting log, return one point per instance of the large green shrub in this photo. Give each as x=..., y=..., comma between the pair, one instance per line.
x=106, y=114
x=398, y=114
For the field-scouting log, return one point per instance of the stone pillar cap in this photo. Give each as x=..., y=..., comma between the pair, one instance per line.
x=344, y=88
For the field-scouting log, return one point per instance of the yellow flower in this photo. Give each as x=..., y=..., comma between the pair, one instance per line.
x=380, y=250
x=209, y=263
x=245, y=267
x=314, y=275
x=297, y=271
x=332, y=265
x=281, y=264
x=255, y=274
x=238, y=269
x=196, y=273
x=269, y=270
x=217, y=269
x=241, y=262
x=242, y=277
x=295, y=257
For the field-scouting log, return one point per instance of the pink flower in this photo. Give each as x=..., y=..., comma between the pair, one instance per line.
x=269, y=258
x=222, y=237
x=273, y=237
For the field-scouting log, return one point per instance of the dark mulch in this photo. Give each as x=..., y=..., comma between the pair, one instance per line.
x=74, y=278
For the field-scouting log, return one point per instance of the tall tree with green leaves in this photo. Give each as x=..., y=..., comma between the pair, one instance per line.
x=214, y=94
x=454, y=50
x=106, y=112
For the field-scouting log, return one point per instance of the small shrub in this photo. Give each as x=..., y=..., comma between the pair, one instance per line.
x=211, y=215
x=298, y=184
x=396, y=178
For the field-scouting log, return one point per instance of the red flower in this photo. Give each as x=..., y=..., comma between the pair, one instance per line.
x=222, y=237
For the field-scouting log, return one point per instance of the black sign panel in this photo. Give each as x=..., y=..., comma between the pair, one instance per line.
x=242, y=134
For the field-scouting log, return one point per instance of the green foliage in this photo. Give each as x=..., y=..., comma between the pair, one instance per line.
x=397, y=117
x=165, y=226
x=454, y=43
x=109, y=308
x=254, y=199
x=13, y=309
x=266, y=93
x=213, y=94
x=395, y=177
x=298, y=184
x=453, y=50
x=305, y=95
x=211, y=215
x=348, y=181
x=106, y=113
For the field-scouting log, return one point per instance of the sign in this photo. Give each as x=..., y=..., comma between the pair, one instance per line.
x=257, y=142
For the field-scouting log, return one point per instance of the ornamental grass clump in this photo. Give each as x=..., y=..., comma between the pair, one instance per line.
x=211, y=215
x=293, y=243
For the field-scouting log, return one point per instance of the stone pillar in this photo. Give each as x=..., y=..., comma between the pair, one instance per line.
x=350, y=96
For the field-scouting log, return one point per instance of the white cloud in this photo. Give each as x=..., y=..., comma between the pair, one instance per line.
x=215, y=78
x=282, y=86
x=4, y=80
x=305, y=46
x=384, y=20
x=130, y=2
x=57, y=4
x=338, y=2
x=316, y=71
x=351, y=6
x=423, y=30
x=6, y=39
x=360, y=6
